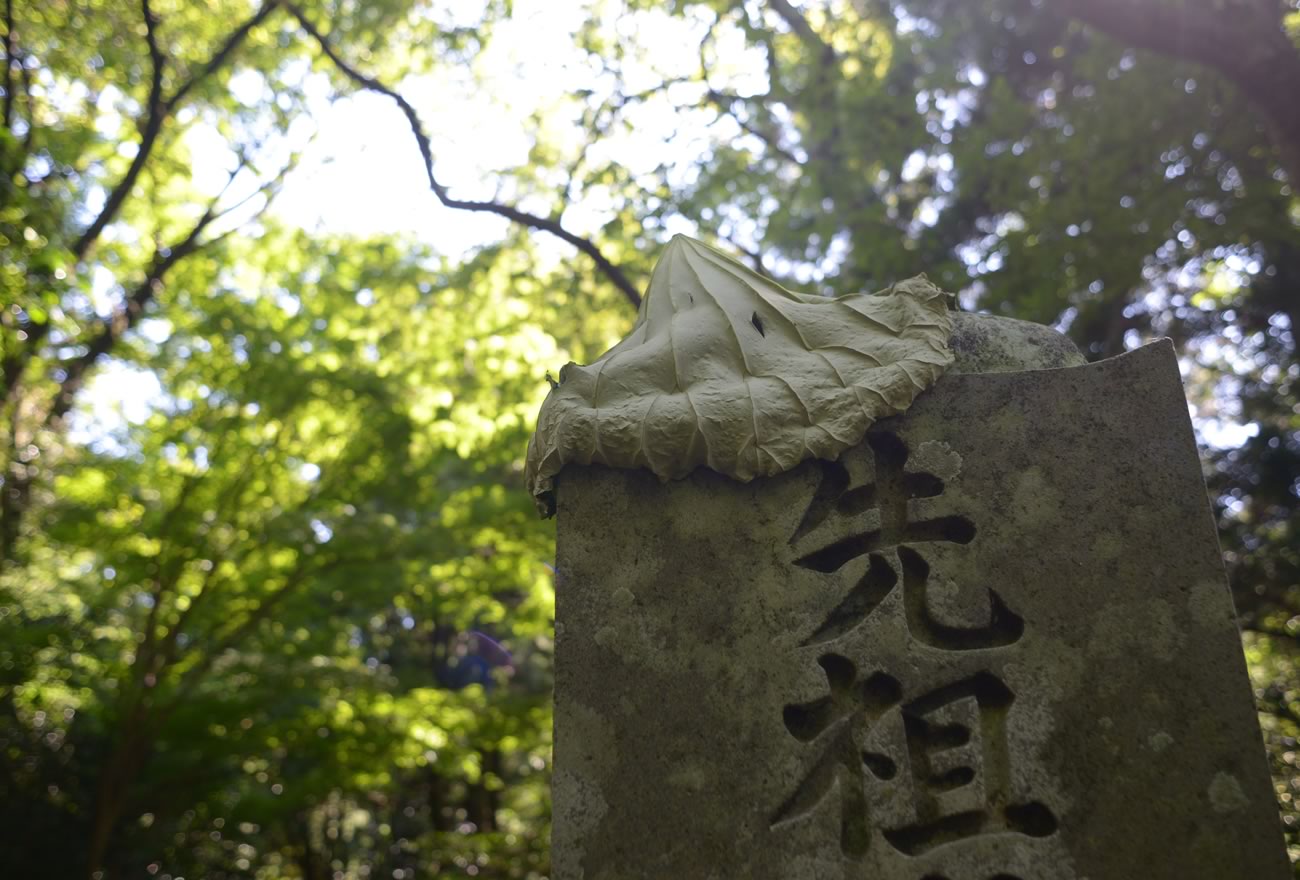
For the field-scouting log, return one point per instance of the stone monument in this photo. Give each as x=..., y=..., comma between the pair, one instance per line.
x=990, y=639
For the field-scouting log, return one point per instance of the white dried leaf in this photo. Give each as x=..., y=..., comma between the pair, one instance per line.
x=725, y=369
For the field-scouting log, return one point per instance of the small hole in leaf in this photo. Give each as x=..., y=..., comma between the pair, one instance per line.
x=758, y=324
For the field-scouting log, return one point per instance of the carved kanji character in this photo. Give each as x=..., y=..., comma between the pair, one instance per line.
x=876, y=515
x=952, y=770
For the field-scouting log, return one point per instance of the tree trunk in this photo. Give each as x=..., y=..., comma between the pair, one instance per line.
x=119, y=773
x=441, y=815
x=481, y=801
x=311, y=865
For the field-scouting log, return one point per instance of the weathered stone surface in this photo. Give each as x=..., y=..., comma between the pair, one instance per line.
x=994, y=642
x=992, y=344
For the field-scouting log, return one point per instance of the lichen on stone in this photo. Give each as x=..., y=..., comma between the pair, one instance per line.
x=727, y=370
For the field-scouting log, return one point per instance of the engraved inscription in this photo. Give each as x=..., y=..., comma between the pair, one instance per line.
x=879, y=518
x=912, y=770
x=950, y=777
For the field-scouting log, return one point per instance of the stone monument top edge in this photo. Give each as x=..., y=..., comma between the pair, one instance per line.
x=992, y=344
x=726, y=370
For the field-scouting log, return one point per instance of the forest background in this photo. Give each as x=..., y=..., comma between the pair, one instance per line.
x=280, y=283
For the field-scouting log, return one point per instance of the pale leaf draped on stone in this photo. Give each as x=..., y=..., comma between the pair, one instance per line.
x=726, y=370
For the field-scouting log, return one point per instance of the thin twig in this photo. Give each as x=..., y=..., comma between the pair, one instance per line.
x=725, y=101
x=132, y=310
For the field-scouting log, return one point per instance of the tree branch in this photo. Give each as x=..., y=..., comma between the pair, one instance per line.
x=1181, y=30
x=602, y=119
x=25, y=74
x=157, y=62
x=761, y=126
x=165, y=582
x=9, y=64
x=228, y=505
x=755, y=257
x=794, y=18
x=122, y=320
x=14, y=492
x=222, y=55
x=155, y=112
x=294, y=579
x=770, y=138
x=159, y=108
x=612, y=272
x=1251, y=51
x=132, y=310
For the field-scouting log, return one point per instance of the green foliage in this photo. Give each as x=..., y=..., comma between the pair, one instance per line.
x=249, y=597
x=252, y=631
